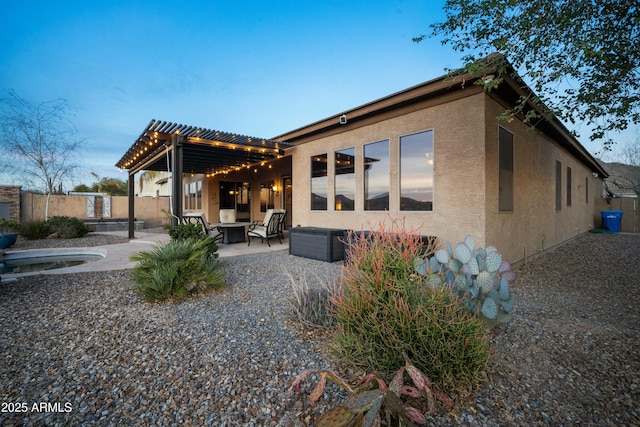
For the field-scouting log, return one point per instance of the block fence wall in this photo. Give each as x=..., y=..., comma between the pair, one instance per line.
x=151, y=210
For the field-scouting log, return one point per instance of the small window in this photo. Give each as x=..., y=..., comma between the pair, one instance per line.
x=558, y=185
x=568, y=186
x=319, y=182
x=505, y=168
x=416, y=172
x=586, y=189
x=345, y=179
x=376, y=176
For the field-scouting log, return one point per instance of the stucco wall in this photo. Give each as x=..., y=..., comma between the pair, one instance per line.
x=535, y=225
x=458, y=207
x=148, y=209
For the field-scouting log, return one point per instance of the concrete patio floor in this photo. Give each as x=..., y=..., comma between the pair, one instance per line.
x=116, y=256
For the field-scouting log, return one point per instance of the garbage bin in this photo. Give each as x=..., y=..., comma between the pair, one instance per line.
x=611, y=220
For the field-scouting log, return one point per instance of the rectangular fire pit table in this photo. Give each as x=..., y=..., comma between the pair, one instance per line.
x=232, y=232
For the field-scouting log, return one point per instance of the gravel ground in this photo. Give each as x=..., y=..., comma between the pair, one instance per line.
x=86, y=348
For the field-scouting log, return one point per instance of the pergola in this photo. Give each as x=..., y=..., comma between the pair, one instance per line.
x=179, y=149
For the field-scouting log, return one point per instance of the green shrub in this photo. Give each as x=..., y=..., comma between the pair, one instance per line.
x=384, y=309
x=67, y=227
x=34, y=230
x=175, y=270
x=8, y=226
x=194, y=232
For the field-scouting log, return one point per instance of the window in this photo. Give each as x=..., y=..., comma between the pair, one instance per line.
x=568, y=186
x=193, y=195
x=267, y=196
x=319, y=184
x=505, y=170
x=586, y=189
x=558, y=185
x=416, y=172
x=376, y=176
x=345, y=179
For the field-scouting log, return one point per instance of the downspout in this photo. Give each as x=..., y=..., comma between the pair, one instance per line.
x=176, y=179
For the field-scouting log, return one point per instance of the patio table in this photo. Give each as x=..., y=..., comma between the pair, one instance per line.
x=232, y=232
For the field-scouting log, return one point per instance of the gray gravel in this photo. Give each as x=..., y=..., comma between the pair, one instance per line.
x=90, y=349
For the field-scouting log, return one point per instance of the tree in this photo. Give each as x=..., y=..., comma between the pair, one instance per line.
x=110, y=186
x=580, y=57
x=624, y=176
x=39, y=144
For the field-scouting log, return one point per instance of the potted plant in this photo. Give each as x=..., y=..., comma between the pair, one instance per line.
x=7, y=238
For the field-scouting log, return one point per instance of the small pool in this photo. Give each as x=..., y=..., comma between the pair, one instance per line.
x=30, y=261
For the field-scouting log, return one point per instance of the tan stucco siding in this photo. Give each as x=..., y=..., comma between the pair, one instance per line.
x=535, y=225
x=458, y=168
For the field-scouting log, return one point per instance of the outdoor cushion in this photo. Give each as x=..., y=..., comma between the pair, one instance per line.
x=227, y=216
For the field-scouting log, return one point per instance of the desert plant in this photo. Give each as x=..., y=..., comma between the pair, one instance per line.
x=373, y=401
x=34, y=230
x=479, y=276
x=383, y=308
x=175, y=269
x=194, y=231
x=311, y=304
x=67, y=227
x=8, y=225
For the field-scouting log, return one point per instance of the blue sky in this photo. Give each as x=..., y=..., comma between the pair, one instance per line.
x=259, y=68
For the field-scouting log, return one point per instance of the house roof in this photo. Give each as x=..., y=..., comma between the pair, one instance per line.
x=205, y=151
x=445, y=88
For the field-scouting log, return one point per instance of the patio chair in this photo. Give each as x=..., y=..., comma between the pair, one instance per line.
x=269, y=228
x=282, y=222
x=201, y=219
x=227, y=216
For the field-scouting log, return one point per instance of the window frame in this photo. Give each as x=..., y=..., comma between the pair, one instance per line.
x=400, y=174
x=338, y=206
x=313, y=203
x=506, y=201
x=365, y=180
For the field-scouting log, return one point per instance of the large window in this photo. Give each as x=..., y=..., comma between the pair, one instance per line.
x=376, y=176
x=345, y=179
x=416, y=172
x=505, y=167
x=319, y=183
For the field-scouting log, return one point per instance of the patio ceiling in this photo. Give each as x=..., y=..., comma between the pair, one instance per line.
x=204, y=151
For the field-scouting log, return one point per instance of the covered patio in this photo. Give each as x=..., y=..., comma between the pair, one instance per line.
x=184, y=149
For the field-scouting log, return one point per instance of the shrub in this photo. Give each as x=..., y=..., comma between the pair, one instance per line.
x=9, y=226
x=374, y=401
x=194, y=232
x=67, y=227
x=34, y=230
x=383, y=308
x=176, y=269
x=310, y=304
